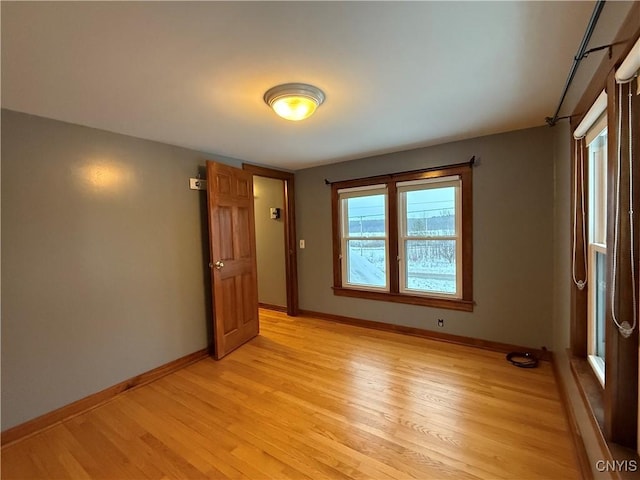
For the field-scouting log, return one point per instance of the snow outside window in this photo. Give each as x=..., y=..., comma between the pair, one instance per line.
x=429, y=243
x=364, y=237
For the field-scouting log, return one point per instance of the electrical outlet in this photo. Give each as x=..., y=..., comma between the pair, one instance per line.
x=440, y=322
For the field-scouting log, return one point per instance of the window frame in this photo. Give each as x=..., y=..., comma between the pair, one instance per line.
x=465, y=300
x=345, y=237
x=597, y=181
x=405, y=187
x=597, y=362
x=597, y=206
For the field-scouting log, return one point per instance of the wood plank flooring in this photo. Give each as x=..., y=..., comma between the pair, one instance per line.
x=311, y=399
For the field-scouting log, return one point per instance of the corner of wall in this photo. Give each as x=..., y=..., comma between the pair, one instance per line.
x=561, y=235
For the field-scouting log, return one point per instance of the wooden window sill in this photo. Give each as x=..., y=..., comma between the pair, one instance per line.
x=590, y=389
x=593, y=397
x=447, y=303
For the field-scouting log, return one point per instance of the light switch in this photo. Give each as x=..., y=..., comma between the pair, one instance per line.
x=197, y=184
x=301, y=243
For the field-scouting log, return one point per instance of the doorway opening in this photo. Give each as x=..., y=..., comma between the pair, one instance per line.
x=277, y=239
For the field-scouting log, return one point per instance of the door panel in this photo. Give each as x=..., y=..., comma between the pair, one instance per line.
x=246, y=292
x=223, y=183
x=233, y=257
x=225, y=233
x=244, y=188
x=243, y=246
x=228, y=289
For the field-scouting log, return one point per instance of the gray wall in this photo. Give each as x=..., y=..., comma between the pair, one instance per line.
x=562, y=235
x=103, y=261
x=272, y=283
x=513, y=238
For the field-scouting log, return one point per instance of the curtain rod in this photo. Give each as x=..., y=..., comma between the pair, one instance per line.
x=582, y=53
x=470, y=163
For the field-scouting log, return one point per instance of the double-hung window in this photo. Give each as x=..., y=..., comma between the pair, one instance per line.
x=364, y=237
x=429, y=244
x=596, y=141
x=405, y=238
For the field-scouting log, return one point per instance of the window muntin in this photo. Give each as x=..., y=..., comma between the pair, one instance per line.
x=429, y=246
x=364, y=238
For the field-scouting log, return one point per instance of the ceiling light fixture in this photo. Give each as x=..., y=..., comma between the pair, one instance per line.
x=294, y=101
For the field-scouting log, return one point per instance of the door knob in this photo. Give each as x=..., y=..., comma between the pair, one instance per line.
x=219, y=265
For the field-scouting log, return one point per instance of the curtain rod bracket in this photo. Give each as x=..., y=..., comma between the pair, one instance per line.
x=595, y=49
x=552, y=123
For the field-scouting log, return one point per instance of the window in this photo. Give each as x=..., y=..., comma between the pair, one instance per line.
x=364, y=238
x=596, y=141
x=405, y=238
x=429, y=248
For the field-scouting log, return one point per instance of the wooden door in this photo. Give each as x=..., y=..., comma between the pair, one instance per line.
x=233, y=265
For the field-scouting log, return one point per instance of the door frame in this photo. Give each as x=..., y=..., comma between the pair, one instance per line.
x=290, y=239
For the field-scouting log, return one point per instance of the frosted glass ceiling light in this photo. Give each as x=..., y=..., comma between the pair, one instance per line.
x=294, y=101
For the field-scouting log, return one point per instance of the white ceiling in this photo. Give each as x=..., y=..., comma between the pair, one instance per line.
x=397, y=75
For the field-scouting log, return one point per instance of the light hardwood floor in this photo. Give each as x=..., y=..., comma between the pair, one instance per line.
x=315, y=399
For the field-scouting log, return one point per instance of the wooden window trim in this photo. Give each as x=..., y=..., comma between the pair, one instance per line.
x=465, y=303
